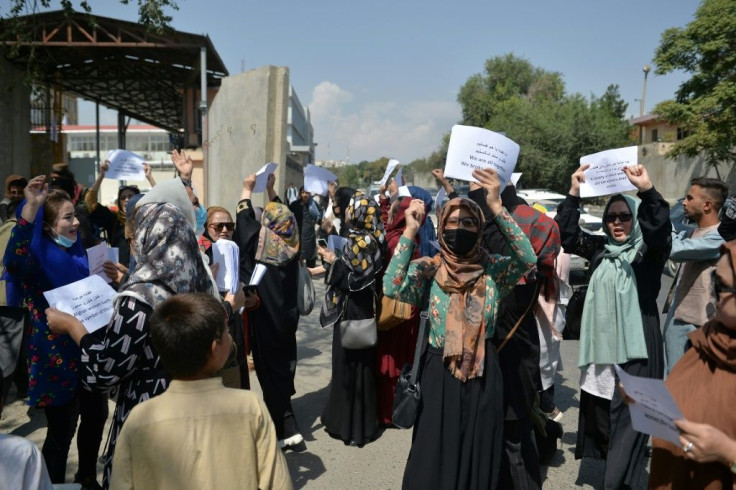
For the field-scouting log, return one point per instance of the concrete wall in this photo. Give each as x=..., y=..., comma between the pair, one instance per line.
x=15, y=123
x=247, y=129
x=672, y=177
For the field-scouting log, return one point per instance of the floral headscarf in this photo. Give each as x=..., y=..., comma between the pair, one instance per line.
x=168, y=259
x=278, y=241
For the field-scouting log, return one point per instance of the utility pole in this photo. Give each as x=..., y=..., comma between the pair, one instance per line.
x=646, y=70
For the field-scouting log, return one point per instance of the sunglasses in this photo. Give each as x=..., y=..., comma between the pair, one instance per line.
x=219, y=226
x=718, y=285
x=467, y=222
x=622, y=217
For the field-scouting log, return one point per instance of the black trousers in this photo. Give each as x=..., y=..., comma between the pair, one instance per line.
x=62, y=424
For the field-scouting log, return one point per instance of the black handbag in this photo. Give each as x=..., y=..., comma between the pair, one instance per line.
x=574, y=314
x=408, y=393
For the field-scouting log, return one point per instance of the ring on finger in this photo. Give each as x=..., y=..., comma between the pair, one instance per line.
x=687, y=447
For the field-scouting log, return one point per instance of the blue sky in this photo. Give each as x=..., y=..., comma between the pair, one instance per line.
x=381, y=78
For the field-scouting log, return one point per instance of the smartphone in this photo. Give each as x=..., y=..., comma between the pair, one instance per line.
x=247, y=290
x=322, y=242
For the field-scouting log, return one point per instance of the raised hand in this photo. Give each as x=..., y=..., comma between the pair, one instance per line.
x=577, y=178
x=147, y=172
x=271, y=181
x=639, y=177
x=488, y=179
x=414, y=216
x=106, y=166
x=35, y=194
x=183, y=163
x=248, y=184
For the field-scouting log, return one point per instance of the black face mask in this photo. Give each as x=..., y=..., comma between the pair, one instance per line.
x=460, y=241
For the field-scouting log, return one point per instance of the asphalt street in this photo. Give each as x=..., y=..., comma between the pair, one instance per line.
x=326, y=463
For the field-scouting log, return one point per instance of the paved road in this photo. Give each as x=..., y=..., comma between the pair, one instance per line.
x=327, y=463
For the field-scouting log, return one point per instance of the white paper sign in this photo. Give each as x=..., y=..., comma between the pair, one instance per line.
x=392, y=164
x=316, y=179
x=227, y=255
x=655, y=411
x=477, y=148
x=441, y=195
x=97, y=256
x=605, y=176
x=399, y=177
x=336, y=242
x=125, y=165
x=262, y=176
x=258, y=271
x=89, y=300
x=514, y=179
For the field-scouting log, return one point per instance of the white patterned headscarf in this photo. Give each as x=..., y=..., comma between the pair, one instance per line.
x=167, y=257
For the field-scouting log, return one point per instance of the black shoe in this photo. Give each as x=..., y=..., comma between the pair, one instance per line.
x=88, y=483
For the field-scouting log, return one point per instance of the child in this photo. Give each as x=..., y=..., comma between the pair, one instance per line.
x=198, y=434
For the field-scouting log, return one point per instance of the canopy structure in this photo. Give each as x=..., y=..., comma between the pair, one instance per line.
x=152, y=78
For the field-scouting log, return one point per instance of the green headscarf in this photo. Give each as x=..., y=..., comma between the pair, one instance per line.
x=611, y=328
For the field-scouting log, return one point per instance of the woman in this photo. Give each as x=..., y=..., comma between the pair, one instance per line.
x=427, y=234
x=168, y=262
x=703, y=385
x=620, y=320
x=44, y=252
x=220, y=226
x=395, y=346
x=458, y=430
x=350, y=413
x=274, y=243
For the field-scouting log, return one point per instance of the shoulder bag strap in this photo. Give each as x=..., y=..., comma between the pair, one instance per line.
x=423, y=316
x=518, y=322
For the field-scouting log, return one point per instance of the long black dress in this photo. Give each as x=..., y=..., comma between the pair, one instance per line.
x=350, y=413
x=273, y=325
x=604, y=427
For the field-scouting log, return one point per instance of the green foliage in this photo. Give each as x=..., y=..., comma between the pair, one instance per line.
x=705, y=105
x=554, y=129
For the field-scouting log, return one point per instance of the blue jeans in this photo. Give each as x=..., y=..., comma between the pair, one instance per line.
x=675, y=341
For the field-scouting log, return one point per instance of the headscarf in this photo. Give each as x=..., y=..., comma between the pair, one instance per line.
x=426, y=231
x=278, y=240
x=61, y=266
x=462, y=279
x=612, y=331
x=396, y=229
x=343, y=195
x=171, y=191
x=361, y=253
x=165, y=246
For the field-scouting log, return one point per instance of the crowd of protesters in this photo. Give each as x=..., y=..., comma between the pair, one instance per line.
x=483, y=291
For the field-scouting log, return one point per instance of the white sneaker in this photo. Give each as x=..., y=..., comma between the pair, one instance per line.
x=294, y=440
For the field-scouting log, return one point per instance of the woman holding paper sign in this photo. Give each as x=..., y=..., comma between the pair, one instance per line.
x=458, y=432
x=620, y=321
x=703, y=385
x=45, y=252
x=273, y=242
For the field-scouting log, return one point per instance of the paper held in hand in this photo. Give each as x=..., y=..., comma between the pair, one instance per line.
x=605, y=175
x=125, y=165
x=392, y=164
x=316, y=179
x=98, y=255
x=262, y=176
x=258, y=271
x=654, y=411
x=89, y=300
x=227, y=254
x=477, y=148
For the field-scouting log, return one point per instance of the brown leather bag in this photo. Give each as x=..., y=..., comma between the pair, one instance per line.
x=393, y=313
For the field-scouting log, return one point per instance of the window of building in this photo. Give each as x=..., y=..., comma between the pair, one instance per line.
x=655, y=135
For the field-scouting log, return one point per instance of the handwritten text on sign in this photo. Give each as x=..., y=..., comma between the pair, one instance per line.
x=605, y=175
x=473, y=148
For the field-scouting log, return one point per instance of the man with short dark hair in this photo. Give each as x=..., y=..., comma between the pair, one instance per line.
x=14, y=186
x=697, y=251
x=198, y=434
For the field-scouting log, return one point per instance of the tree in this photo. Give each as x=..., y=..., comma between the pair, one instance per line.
x=150, y=12
x=554, y=129
x=705, y=105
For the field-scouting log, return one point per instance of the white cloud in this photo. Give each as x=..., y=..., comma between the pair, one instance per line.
x=372, y=129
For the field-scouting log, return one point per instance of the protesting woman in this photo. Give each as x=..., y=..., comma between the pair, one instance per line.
x=459, y=426
x=273, y=243
x=620, y=320
x=168, y=262
x=350, y=413
x=45, y=252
